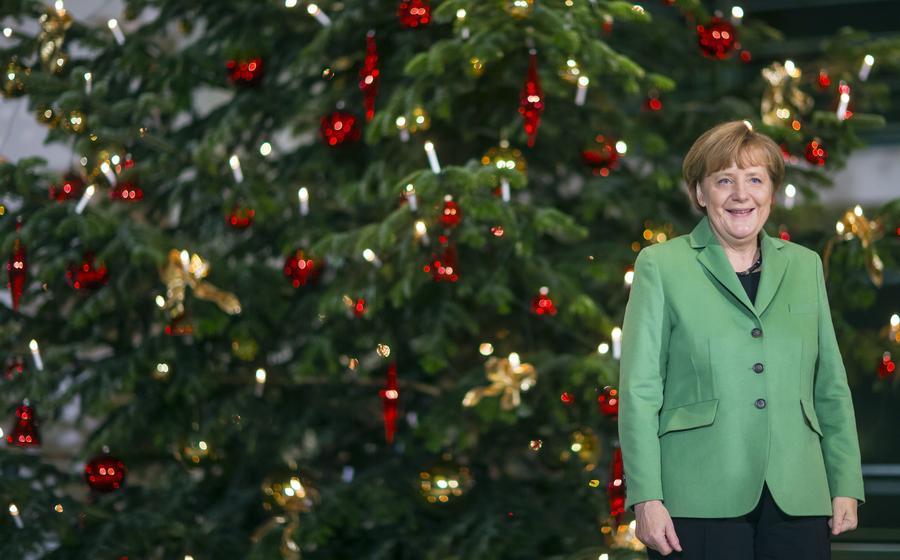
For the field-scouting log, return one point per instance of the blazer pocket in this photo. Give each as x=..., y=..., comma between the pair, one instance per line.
x=809, y=412
x=687, y=416
x=802, y=307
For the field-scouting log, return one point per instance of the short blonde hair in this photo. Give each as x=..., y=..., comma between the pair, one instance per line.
x=727, y=143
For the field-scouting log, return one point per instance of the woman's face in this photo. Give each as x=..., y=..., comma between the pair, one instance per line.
x=737, y=202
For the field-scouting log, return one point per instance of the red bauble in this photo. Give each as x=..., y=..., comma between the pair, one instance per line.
x=71, y=187
x=717, y=39
x=615, y=489
x=542, y=304
x=359, y=308
x=302, y=270
x=414, y=13
x=823, y=80
x=451, y=215
x=245, y=72
x=601, y=158
x=105, y=473
x=390, y=395
x=127, y=192
x=25, y=432
x=339, y=127
x=16, y=270
x=368, y=76
x=531, y=101
x=886, y=366
x=14, y=367
x=815, y=153
x=652, y=104
x=85, y=276
x=240, y=218
x=608, y=402
x=444, y=266
x=566, y=398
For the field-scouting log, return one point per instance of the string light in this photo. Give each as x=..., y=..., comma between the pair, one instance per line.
x=36, y=355
x=116, y=31
x=320, y=16
x=581, y=92
x=303, y=197
x=260, y=381
x=235, y=163
x=85, y=198
x=866, y=67
x=432, y=158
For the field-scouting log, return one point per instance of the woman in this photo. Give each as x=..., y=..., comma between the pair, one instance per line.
x=736, y=425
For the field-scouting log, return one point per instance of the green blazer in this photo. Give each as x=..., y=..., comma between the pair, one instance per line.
x=718, y=394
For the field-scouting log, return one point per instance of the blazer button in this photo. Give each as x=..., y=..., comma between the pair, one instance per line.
x=758, y=367
x=760, y=403
x=756, y=332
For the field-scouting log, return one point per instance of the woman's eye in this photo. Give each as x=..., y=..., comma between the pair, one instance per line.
x=757, y=179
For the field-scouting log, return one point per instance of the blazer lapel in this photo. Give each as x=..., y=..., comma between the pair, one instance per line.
x=712, y=256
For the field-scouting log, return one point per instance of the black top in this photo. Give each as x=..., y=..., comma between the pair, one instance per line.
x=750, y=277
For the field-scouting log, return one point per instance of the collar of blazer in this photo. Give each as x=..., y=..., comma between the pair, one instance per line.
x=712, y=256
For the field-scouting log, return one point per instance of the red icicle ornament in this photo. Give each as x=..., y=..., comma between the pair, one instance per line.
x=25, y=432
x=16, y=270
x=615, y=490
x=531, y=101
x=390, y=395
x=368, y=76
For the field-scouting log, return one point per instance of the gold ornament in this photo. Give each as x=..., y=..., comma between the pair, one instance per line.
x=46, y=115
x=244, y=348
x=179, y=274
x=508, y=378
x=570, y=71
x=854, y=224
x=74, y=122
x=782, y=101
x=504, y=157
x=519, y=9
x=54, y=24
x=586, y=445
x=195, y=450
x=287, y=495
x=14, y=79
x=445, y=483
x=476, y=66
x=419, y=120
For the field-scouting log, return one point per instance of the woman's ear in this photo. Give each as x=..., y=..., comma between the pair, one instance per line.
x=699, y=192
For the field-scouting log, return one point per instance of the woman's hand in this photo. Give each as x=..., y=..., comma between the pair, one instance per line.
x=843, y=517
x=654, y=527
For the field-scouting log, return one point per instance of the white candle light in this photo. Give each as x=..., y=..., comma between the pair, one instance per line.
x=461, y=16
x=370, y=256
x=303, y=196
x=36, y=355
x=866, y=67
x=790, y=196
x=432, y=158
x=895, y=327
x=88, y=82
x=411, y=197
x=842, y=106
x=737, y=15
x=116, y=31
x=422, y=232
x=14, y=512
x=617, y=343
x=107, y=172
x=235, y=165
x=581, y=93
x=320, y=16
x=185, y=261
x=504, y=189
x=401, y=126
x=260, y=382
x=85, y=198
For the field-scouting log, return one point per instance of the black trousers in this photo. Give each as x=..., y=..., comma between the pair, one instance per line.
x=766, y=533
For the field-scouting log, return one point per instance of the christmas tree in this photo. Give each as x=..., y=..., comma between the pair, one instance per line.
x=344, y=281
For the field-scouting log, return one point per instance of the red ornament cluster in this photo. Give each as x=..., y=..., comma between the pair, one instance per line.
x=531, y=101
x=601, y=158
x=443, y=267
x=390, y=396
x=302, y=270
x=542, y=304
x=245, y=72
x=815, y=153
x=717, y=39
x=368, y=76
x=608, y=402
x=615, y=489
x=127, y=192
x=240, y=217
x=414, y=13
x=105, y=473
x=339, y=127
x=886, y=366
x=14, y=367
x=71, y=187
x=25, y=432
x=359, y=308
x=86, y=276
x=451, y=214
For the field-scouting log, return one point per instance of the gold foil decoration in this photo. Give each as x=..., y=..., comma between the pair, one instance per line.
x=444, y=483
x=854, y=225
x=519, y=9
x=508, y=378
x=288, y=496
x=178, y=275
x=14, y=79
x=504, y=157
x=782, y=101
x=54, y=24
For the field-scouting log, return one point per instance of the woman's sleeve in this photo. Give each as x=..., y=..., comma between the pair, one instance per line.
x=834, y=407
x=645, y=341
